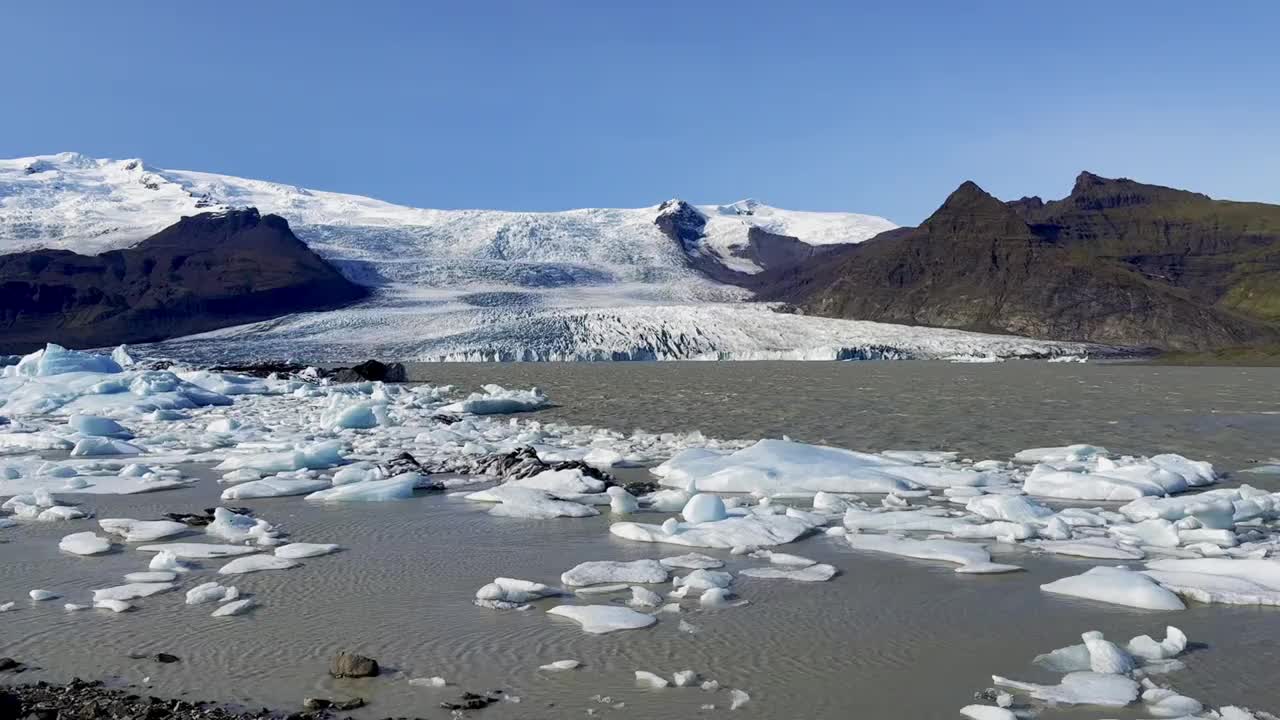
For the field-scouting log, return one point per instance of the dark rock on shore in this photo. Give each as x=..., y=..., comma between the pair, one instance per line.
x=473, y=701
x=351, y=665
x=167, y=658
x=205, y=272
x=8, y=664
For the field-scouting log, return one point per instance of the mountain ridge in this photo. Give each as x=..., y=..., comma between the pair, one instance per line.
x=1115, y=261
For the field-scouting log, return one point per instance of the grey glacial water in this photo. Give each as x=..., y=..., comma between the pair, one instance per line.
x=887, y=638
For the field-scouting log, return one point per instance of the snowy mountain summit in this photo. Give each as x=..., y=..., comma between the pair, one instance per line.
x=659, y=282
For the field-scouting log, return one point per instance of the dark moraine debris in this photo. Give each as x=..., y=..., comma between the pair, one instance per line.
x=327, y=704
x=473, y=701
x=371, y=370
x=351, y=665
x=202, y=519
x=8, y=664
x=81, y=700
x=524, y=462
x=205, y=272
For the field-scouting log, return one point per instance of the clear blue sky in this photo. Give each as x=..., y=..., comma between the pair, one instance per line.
x=875, y=107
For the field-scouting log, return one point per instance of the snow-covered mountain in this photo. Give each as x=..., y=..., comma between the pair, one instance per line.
x=589, y=283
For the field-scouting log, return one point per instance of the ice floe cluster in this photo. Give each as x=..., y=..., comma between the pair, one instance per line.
x=80, y=423
x=1100, y=673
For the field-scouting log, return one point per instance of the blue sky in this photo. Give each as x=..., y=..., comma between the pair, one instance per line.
x=872, y=107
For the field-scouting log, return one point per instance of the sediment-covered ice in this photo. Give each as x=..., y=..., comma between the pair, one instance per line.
x=601, y=619
x=236, y=528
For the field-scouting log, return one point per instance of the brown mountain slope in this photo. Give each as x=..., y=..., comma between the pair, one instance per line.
x=204, y=272
x=1116, y=262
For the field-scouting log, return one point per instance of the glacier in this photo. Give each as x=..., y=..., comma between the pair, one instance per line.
x=482, y=285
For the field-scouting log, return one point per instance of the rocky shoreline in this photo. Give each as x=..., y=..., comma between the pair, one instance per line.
x=93, y=700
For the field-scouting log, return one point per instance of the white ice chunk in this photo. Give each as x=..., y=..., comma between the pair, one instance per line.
x=256, y=563
x=971, y=558
x=497, y=400
x=600, y=619
x=749, y=531
x=235, y=607
x=1117, y=586
x=522, y=502
x=820, y=572
x=397, y=488
x=986, y=712
x=692, y=561
x=84, y=543
x=274, y=487
x=704, y=507
x=599, y=572
x=305, y=550
x=142, y=530
x=1080, y=688
x=560, y=666
x=131, y=591
x=197, y=551
x=773, y=466
x=648, y=679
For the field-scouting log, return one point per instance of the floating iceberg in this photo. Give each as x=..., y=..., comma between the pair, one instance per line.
x=747, y=531
x=496, y=400
x=970, y=557
x=1117, y=586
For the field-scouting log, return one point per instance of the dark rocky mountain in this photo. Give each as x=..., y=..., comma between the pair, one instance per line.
x=1116, y=261
x=204, y=272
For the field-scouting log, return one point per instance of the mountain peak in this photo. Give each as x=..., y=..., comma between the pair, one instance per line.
x=1094, y=192
x=969, y=208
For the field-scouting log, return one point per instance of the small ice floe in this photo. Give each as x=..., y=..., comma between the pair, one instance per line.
x=1080, y=688
x=700, y=580
x=818, y=572
x=400, y=487
x=84, y=543
x=601, y=589
x=142, y=530
x=197, y=551
x=598, y=572
x=234, y=607
x=1117, y=586
x=644, y=678
x=256, y=563
x=317, y=456
x=692, y=561
x=297, y=550
x=115, y=606
x=565, y=484
x=274, y=487
x=971, y=558
x=43, y=595
x=987, y=712
x=773, y=466
x=1098, y=477
x=151, y=576
x=601, y=619
x=780, y=558
x=497, y=400
x=75, y=607
x=684, y=678
x=530, y=503
x=512, y=594
x=131, y=591
x=95, y=426
x=431, y=682
x=738, y=698
x=717, y=598
x=211, y=592
x=6, y=607
x=560, y=666
x=99, y=446
x=643, y=597
x=167, y=561
x=236, y=528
